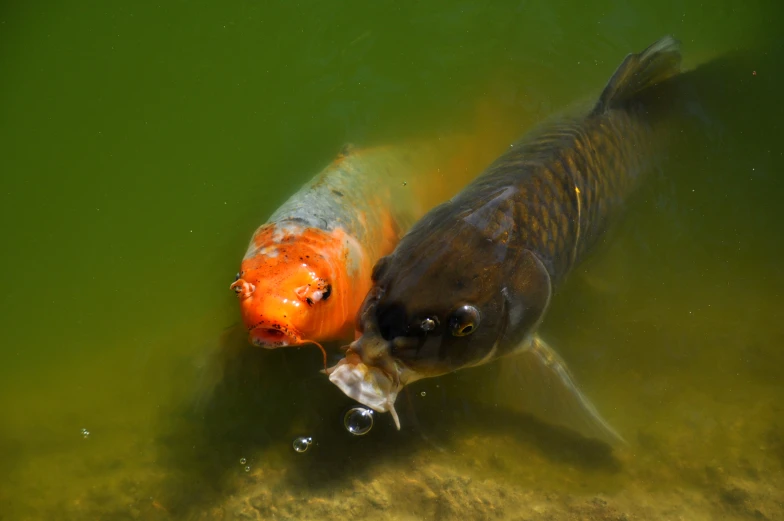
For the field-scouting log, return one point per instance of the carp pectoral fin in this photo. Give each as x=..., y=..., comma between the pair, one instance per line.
x=549, y=392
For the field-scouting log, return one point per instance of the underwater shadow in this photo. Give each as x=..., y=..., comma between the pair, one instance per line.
x=456, y=407
x=245, y=401
x=435, y=423
x=253, y=403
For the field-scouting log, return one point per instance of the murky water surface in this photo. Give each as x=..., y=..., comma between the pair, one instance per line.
x=140, y=146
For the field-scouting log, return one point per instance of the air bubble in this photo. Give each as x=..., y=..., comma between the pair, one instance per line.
x=243, y=461
x=302, y=443
x=247, y=468
x=85, y=433
x=423, y=394
x=358, y=421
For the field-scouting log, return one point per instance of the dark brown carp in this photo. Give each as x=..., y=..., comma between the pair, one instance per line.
x=472, y=280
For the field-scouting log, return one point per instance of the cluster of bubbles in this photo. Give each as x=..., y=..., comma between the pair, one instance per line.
x=302, y=443
x=85, y=433
x=358, y=421
x=243, y=461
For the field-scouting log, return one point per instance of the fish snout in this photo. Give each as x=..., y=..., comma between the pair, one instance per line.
x=369, y=375
x=273, y=318
x=370, y=348
x=270, y=336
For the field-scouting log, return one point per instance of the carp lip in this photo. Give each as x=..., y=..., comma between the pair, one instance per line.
x=270, y=338
x=368, y=385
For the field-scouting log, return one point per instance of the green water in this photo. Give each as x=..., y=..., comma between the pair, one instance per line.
x=140, y=146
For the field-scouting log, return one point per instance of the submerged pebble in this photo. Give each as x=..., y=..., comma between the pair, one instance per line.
x=302, y=443
x=358, y=421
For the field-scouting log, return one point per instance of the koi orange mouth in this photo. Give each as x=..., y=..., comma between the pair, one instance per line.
x=270, y=338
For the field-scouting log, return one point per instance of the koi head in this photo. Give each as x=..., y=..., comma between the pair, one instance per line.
x=281, y=312
x=294, y=290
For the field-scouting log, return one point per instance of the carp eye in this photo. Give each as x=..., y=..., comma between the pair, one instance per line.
x=237, y=277
x=464, y=321
x=327, y=292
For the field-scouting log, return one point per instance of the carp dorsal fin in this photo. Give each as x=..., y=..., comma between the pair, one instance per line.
x=660, y=61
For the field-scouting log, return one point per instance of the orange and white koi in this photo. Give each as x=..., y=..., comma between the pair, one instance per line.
x=308, y=268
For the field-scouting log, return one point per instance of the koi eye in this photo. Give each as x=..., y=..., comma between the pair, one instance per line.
x=464, y=321
x=237, y=277
x=317, y=295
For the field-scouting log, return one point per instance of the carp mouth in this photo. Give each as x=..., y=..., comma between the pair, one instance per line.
x=370, y=385
x=270, y=338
